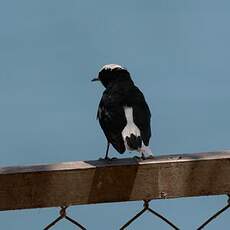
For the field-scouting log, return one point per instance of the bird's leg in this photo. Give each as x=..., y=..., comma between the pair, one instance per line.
x=106, y=154
x=143, y=157
x=107, y=151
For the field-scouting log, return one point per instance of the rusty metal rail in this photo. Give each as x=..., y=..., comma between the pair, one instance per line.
x=90, y=182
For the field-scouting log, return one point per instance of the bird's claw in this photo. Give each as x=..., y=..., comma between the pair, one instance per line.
x=150, y=157
x=143, y=157
x=107, y=158
x=104, y=159
x=137, y=158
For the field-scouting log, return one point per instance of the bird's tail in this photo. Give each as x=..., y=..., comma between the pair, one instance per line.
x=134, y=142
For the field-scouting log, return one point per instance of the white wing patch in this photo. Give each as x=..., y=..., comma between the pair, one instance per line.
x=131, y=128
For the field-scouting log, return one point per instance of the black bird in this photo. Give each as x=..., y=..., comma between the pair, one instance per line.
x=123, y=112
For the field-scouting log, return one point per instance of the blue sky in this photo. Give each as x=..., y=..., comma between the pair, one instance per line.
x=177, y=53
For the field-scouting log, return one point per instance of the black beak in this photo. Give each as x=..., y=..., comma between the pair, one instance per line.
x=95, y=79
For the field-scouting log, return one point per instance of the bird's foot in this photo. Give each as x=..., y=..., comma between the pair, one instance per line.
x=104, y=159
x=144, y=157
x=107, y=158
x=137, y=158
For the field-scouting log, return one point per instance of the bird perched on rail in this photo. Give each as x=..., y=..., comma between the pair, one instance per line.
x=123, y=112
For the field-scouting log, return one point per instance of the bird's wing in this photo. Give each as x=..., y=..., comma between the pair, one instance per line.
x=141, y=113
x=112, y=120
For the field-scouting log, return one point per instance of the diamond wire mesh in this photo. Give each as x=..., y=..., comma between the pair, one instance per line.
x=215, y=215
x=63, y=215
x=146, y=208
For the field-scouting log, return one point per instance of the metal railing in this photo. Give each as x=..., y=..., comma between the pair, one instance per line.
x=121, y=180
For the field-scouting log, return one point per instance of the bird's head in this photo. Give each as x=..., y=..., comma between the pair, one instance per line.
x=111, y=74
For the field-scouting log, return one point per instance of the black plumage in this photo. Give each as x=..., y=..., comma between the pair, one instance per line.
x=121, y=93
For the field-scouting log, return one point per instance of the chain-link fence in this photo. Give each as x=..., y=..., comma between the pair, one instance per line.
x=146, y=208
